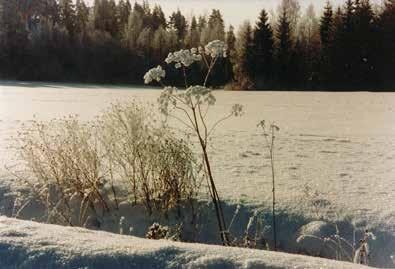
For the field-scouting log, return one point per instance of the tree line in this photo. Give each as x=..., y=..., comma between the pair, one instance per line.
x=350, y=47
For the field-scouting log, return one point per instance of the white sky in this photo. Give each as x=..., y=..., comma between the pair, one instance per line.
x=234, y=11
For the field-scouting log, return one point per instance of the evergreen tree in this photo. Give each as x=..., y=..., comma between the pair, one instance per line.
x=123, y=13
x=82, y=16
x=112, y=21
x=67, y=16
x=292, y=9
x=263, y=51
x=202, y=23
x=284, y=48
x=179, y=24
x=386, y=50
x=326, y=26
x=245, y=64
x=158, y=18
x=232, y=54
x=216, y=26
x=365, y=38
x=134, y=28
x=193, y=38
x=50, y=11
x=309, y=47
x=231, y=44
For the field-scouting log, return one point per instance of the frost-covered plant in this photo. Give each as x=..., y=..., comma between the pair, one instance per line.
x=315, y=199
x=82, y=169
x=269, y=133
x=155, y=74
x=361, y=255
x=64, y=166
x=191, y=105
x=157, y=231
x=250, y=239
x=160, y=169
x=343, y=248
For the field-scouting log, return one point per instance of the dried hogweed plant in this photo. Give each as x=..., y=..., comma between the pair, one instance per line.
x=269, y=133
x=190, y=107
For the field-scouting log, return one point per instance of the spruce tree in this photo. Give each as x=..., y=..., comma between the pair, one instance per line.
x=386, y=41
x=82, y=16
x=179, y=24
x=158, y=18
x=245, y=63
x=67, y=15
x=262, y=51
x=326, y=26
x=193, y=38
x=284, y=48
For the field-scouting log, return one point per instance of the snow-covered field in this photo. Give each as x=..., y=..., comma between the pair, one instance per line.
x=341, y=145
x=26, y=245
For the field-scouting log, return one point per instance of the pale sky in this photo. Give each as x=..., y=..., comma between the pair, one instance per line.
x=234, y=11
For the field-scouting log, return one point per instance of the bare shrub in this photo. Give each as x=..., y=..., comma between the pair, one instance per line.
x=64, y=164
x=81, y=170
x=159, y=168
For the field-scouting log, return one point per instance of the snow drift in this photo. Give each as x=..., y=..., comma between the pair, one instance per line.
x=27, y=244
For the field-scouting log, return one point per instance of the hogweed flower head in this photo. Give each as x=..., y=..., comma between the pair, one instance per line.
x=154, y=74
x=183, y=58
x=216, y=48
x=237, y=110
x=165, y=99
x=197, y=95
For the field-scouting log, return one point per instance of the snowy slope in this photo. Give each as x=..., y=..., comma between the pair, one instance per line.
x=341, y=145
x=26, y=244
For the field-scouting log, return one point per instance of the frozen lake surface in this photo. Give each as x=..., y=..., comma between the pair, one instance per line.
x=340, y=144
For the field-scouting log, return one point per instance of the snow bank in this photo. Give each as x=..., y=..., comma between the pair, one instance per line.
x=26, y=244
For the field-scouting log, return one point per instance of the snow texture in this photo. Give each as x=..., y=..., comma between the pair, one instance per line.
x=340, y=145
x=30, y=245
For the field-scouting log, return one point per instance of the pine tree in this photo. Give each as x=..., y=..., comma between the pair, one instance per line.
x=309, y=46
x=112, y=22
x=216, y=26
x=284, y=48
x=134, y=28
x=231, y=44
x=179, y=24
x=263, y=51
x=365, y=38
x=232, y=54
x=50, y=11
x=245, y=63
x=386, y=40
x=193, y=38
x=123, y=10
x=67, y=16
x=202, y=23
x=82, y=16
x=326, y=26
x=158, y=18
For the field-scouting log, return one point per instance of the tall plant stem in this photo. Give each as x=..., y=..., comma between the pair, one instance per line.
x=214, y=193
x=274, y=191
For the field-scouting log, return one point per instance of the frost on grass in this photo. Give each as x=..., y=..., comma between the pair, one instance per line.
x=82, y=171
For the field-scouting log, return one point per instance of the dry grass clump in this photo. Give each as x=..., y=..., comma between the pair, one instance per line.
x=64, y=164
x=160, y=169
x=80, y=170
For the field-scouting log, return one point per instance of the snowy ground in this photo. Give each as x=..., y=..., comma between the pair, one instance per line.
x=29, y=245
x=341, y=145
